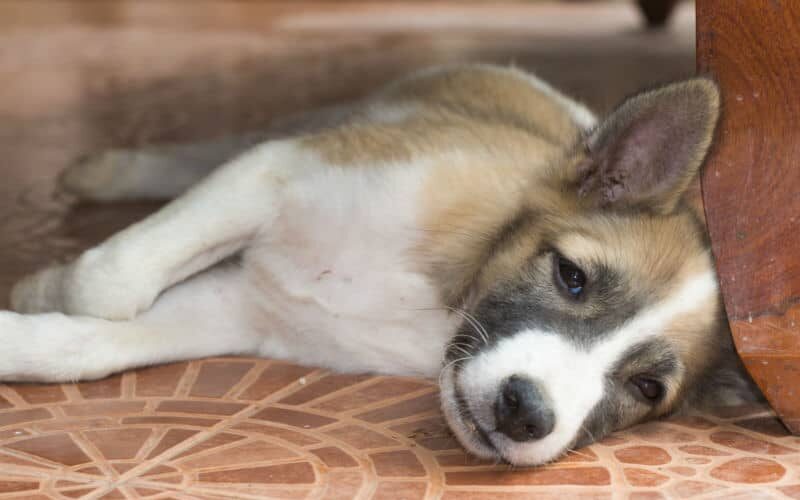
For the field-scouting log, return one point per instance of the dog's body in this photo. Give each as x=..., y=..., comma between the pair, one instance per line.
x=469, y=214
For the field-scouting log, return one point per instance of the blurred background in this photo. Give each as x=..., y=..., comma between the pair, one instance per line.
x=80, y=76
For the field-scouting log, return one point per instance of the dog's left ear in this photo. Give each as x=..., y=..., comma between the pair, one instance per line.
x=644, y=155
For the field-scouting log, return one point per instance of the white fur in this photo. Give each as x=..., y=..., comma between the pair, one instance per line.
x=571, y=375
x=326, y=275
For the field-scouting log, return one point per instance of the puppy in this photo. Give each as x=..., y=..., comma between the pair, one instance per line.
x=468, y=223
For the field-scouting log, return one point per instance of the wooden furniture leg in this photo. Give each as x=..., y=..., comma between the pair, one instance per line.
x=656, y=12
x=751, y=185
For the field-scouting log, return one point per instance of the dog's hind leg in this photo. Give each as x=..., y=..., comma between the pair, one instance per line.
x=54, y=347
x=159, y=172
x=163, y=172
x=215, y=219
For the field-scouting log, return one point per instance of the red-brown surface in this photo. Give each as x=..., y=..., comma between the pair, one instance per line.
x=752, y=185
x=165, y=432
x=80, y=76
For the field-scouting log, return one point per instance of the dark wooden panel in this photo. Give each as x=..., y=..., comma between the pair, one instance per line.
x=751, y=185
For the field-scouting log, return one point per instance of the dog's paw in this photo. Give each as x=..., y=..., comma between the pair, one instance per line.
x=40, y=292
x=91, y=286
x=98, y=177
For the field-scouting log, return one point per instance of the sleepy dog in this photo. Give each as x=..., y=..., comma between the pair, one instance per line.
x=468, y=223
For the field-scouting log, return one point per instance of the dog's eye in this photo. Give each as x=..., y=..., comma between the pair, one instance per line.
x=571, y=277
x=651, y=389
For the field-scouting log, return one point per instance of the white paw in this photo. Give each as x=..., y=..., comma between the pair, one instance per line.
x=98, y=177
x=39, y=292
x=91, y=286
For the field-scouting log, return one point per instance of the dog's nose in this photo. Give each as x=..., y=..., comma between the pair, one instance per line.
x=522, y=412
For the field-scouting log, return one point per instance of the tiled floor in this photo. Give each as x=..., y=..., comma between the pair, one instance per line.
x=80, y=76
x=242, y=428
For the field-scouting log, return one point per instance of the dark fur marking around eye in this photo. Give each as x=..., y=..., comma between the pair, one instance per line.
x=655, y=358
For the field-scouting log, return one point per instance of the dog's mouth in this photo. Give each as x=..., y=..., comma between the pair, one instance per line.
x=461, y=420
x=468, y=420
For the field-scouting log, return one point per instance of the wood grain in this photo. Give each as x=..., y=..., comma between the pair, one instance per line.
x=751, y=185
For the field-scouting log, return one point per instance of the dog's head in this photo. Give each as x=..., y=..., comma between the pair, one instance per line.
x=598, y=306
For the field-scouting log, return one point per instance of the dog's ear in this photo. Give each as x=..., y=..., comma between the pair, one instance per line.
x=645, y=154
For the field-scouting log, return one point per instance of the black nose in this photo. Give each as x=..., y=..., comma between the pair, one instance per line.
x=522, y=411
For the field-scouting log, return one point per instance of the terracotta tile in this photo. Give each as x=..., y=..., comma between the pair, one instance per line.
x=333, y=456
x=642, y=477
x=703, y=450
x=688, y=489
x=159, y=380
x=13, y=433
x=244, y=454
x=770, y=426
x=749, y=470
x=382, y=390
x=20, y=416
x=343, y=485
x=12, y=460
x=692, y=422
x=460, y=459
x=360, y=438
x=123, y=467
x=39, y=394
x=416, y=406
x=645, y=495
x=200, y=407
x=114, y=494
x=578, y=456
x=168, y=479
x=66, y=484
x=216, y=378
x=146, y=492
x=278, y=432
x=400, y=491
x=104, y=408
x=78, y=493
x=657, y=432
x=583, y=476
x=102, y=389
x=613, y=440
x=746, y=443
x=697, y=460
x=170, y=439
x=159, y=469
x=642, y=455
x=683, y=471
x=294, y=418
x=274, y=377
x=535, y=493
x=15, y=486
x=323, y=387
x=91, y=469
x=401, y=463
x=792, y=491
x=118, y=444
x=72, y=424
x=215, y=441
x=58, y=448
x=195, y=422
x=295, y=473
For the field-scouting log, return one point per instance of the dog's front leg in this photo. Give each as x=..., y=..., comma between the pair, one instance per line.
x=203, y=316
x=217, y=218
